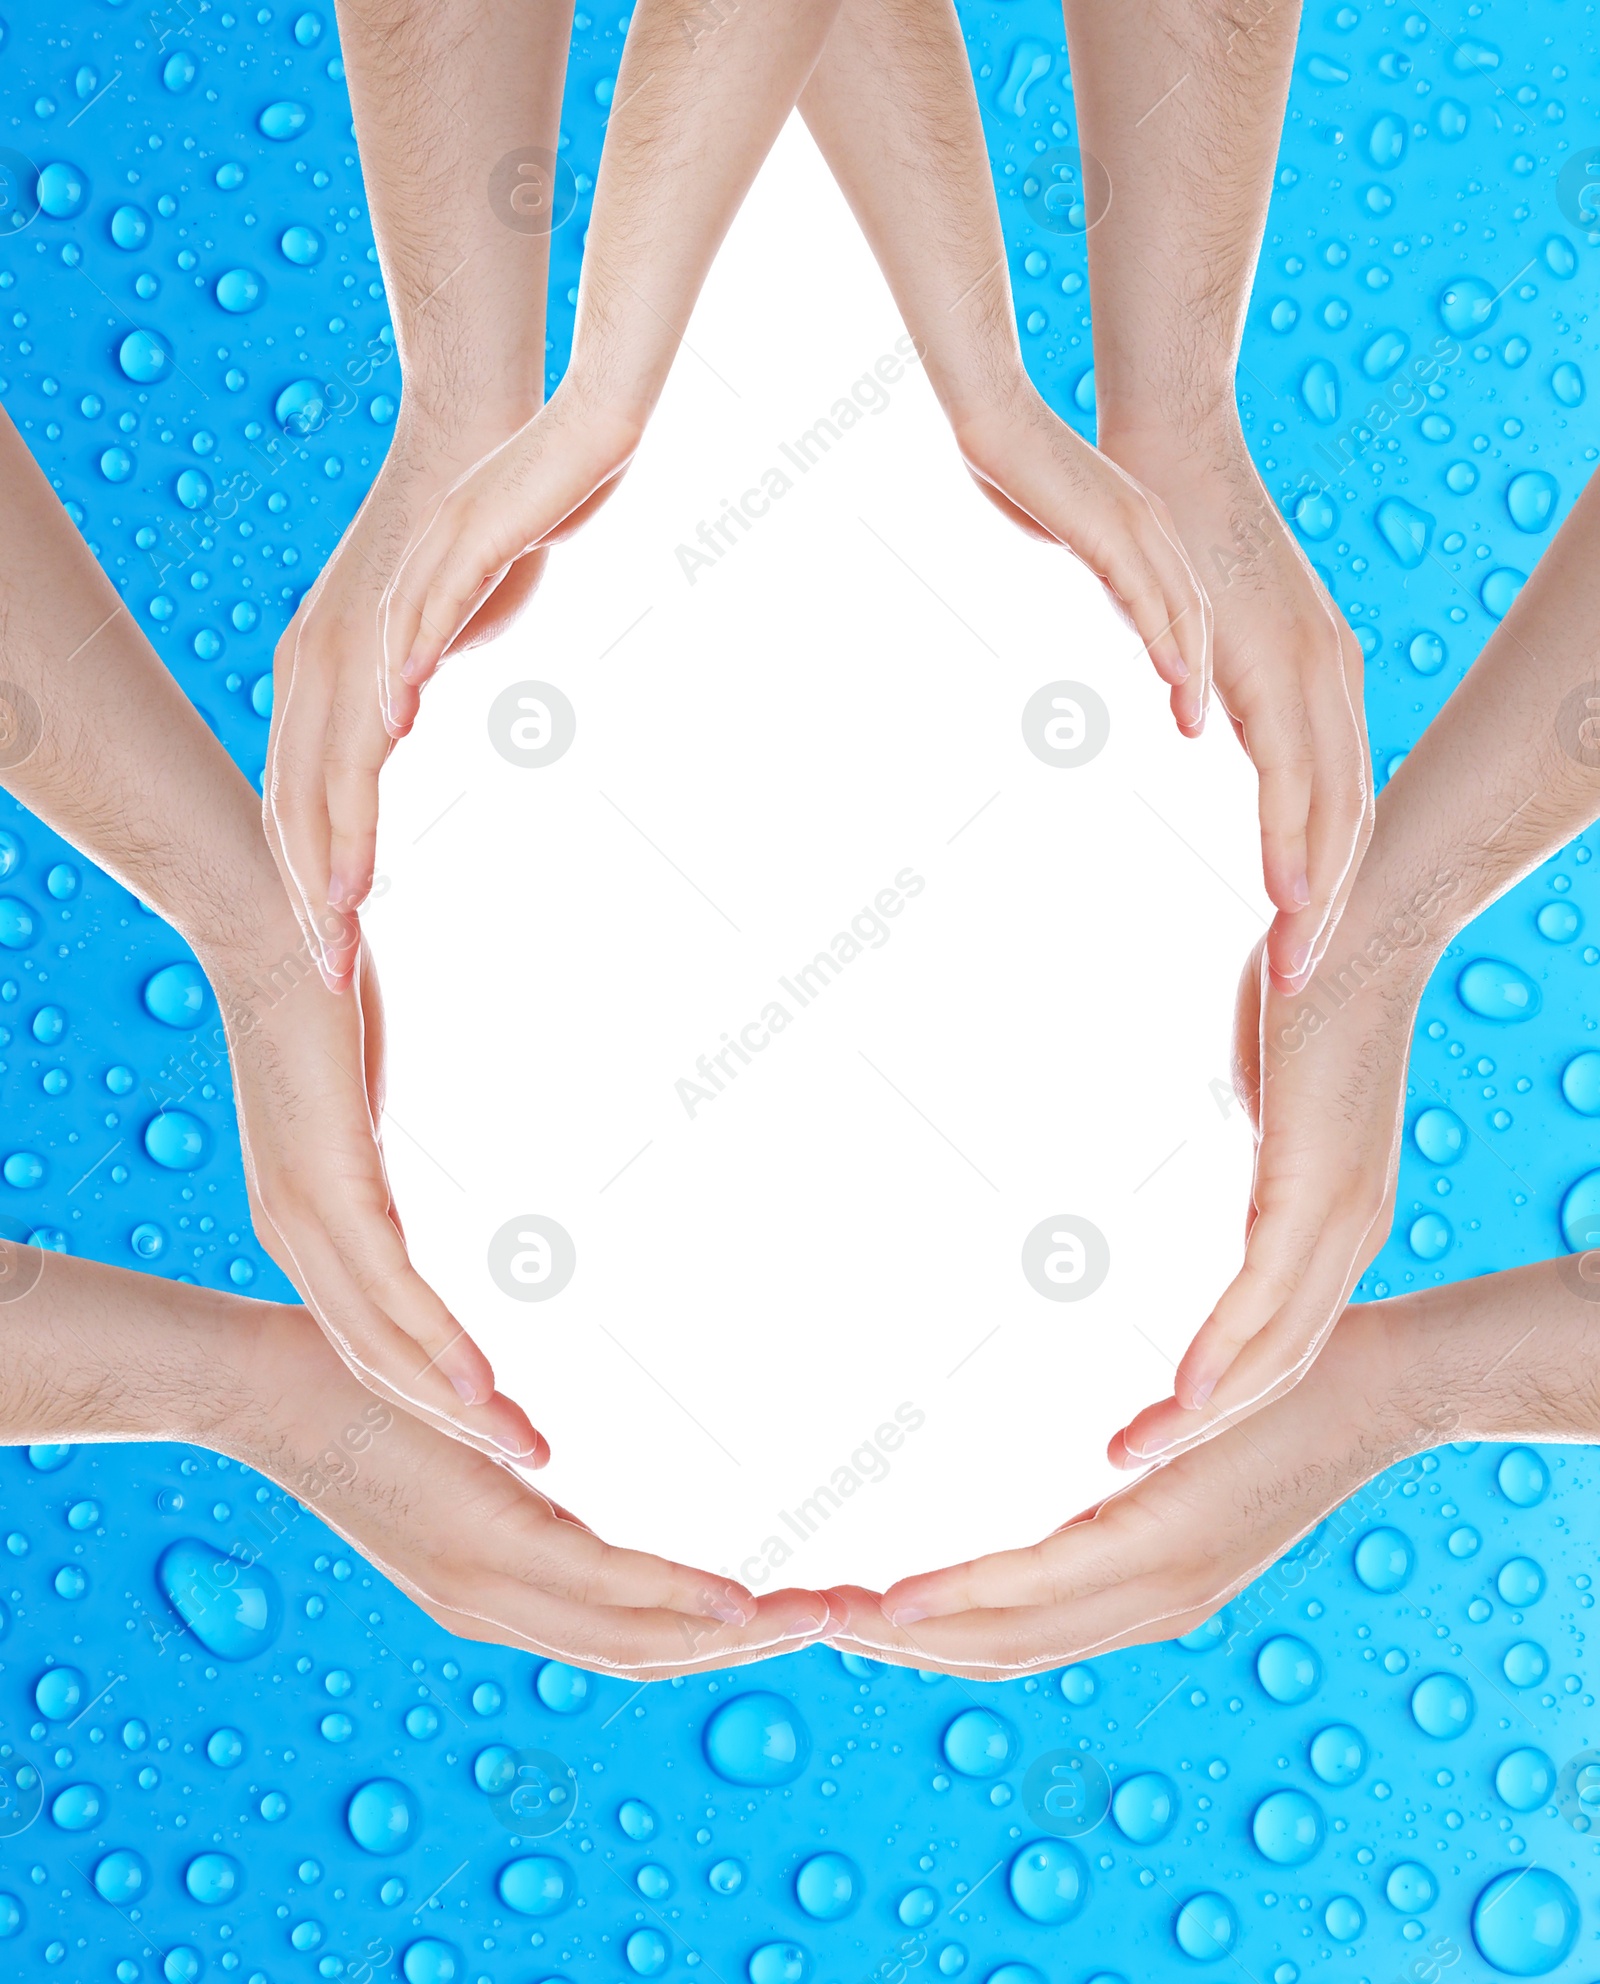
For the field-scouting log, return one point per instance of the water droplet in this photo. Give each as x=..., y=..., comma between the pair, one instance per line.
x=1049, y=1881
x=116, y=464
x=1440, y=1135
x=1520, y=1582
x=213, y=1878
x=239, y=291
x=1467, y=305
x=1497, y=990
x=828, y=1886
x=179, y=71
x=61, y=190
x=1451, y=119
x=1288, y=1828
x=1384, y=1560
x=1558, y=922
x=1288, y=1669
x=177, y=1141
x=121, y=1877
x=58, y=1693
x=1386, y=141
x=1410, y=1888
x=1344, y=1918
x=1427, y=653
x=636, y=1819
x=726, y=1877
x=1521, y=1474
x=1430, y=1237
x=1384, y=354
x=1338, y=1754
x=1029, y=64
x=979, y=1743
x=1525, y=1664
x=1525, y=1922
x=143, y=357
x=177, y=995
x=1474, y=58
x=130, y=227
x=1499, y=589
x=1204, y=1928
x=757, y=1738
x=282, y=121
x=1406, y=530
x=382, y=1816
x=301, y=245
x=232, y=1608
x=1316, y=515
x=1580, y=1083
x=1319, y=390
x=917, y=1907
x=1144, y=1807
x=1567, y=383
x=563, y=1689
x=1531, y=499
x=538, y=1885
x=1442, y=1706
x=308, y=30
x=430, y=1961
x=1525, y=1780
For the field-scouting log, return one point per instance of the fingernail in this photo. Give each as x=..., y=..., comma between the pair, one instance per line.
x=906, y=1615
x=463, y=1387
x=810, y=1624
x=1178, y=668
x=1301, y=890
x=513, y=1449
x=1299, y=958
x=732, y=1611
x=411, y=669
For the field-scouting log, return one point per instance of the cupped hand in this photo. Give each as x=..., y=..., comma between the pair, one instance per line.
x=1322, y=1073
x=1033, y=467
x=328, y=742
x=307, y=1070
x=1289, y=673
x=1162, y=1555
x=482, y=1552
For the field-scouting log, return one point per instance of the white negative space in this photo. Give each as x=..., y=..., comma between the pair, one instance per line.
x=832, y=1243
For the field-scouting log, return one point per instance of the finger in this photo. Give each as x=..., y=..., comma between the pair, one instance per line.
x=1277, y=735
x=356, y=745
x=504, y=604
x=1161, y=597
x=295, y=801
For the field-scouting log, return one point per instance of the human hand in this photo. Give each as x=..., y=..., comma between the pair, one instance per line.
x=1162, y=1555
x=328, y=742
x=1322, y=1074
x=308, y=1085
x=1048, y=480
x=481, y=1551
x=1289, y=673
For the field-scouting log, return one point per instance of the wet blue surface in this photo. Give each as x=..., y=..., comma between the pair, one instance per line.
x=292, y=1773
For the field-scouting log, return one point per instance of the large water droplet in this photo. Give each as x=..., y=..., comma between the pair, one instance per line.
x=1406, y=530
x=17, y=926
x=1288, y=1828
x=177, y=1141
x=1205, y=1928
x=1386, y=351
x=1319, y=390
x=1029, y=64
x=1344, y=1918
x=1580, y=1083
x=1567, y=383
x=130, y=227
x=1467, y=305
x=1386, y=141
x=1288, y=1669
x=232, y=1608
x=1411, y=1889
x=78, y=1807
x=1525, y=1922
x=177, y=995
x=1442, y=1706
x=143, y=357
x=121, y=1877
x=537, y=1885
x=1525, y=1780
x=636, y=1819
x=240, y=291
x=1531, y=499
x=979, y=1743
x=1521, y=1474
x=1430, y=1237
x=1525, y=1664
x=1499, y=589
x=1440, y=1135
x=300, y=245
x=758, y=1738
x=1144, y=1807
x=382, y=1816
x=1049, y=1881
x=772, y=1963
x=1520, y=1582
x=828, y=1886
x=429, y=1960
x=58, y=1693
x=563, y=1689
x=282, y=121
x=61, y=189
x=1384, y=1560
x=213, y=1878
x=1497, y=990
x=1338, y=1754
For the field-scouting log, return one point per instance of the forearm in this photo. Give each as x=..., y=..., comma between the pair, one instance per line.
x=1508, y=771
x=893, y=110
x=121, y=763
x=1182, y=103
x=443, y=96
x=704, y=89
